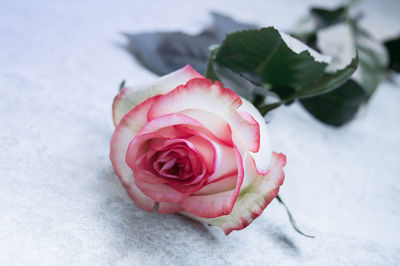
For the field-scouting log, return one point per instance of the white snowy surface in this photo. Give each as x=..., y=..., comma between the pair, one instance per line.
x=61, y=204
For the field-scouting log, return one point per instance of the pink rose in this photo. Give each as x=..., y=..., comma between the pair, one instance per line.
x=185, y=144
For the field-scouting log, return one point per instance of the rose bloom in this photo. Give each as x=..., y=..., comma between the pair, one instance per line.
x=186, y=144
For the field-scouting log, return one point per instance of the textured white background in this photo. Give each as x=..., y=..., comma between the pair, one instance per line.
x=61, y=204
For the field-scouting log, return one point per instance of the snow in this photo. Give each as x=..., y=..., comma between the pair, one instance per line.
x=61, y=63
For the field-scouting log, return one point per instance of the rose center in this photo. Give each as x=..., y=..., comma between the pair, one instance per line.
x=176, y=163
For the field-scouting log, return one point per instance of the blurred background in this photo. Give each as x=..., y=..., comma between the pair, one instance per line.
x=61, y=63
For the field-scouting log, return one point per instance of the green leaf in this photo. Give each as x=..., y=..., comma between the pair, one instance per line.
x=336, y=32
x=326, y=86
x=266, y=54
x=122, y=85
x=393, y=47
x=327, y=83
x=233, y=80
x=264, y=109
x=339, y=106
x=210, y=72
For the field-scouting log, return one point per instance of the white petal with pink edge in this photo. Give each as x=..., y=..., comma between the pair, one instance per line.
x=129, y=97
x=120, y=140
x=252, y=200
x=202, y=94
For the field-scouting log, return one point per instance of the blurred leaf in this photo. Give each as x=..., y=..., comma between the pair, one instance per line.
x=210, y=72
x=334, y=32
x=327, y=17
x=264, y=53
x=338, y=106
x=393, y=47
x=319, y=18
x=373, y=59
x=164, y=52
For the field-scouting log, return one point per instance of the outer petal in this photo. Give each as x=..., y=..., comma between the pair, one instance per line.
x=200, y=93
x=252, y=200
x=261, y=158
x=128, y=98
x=169, y=207
x=140, y=199
x=120, y=140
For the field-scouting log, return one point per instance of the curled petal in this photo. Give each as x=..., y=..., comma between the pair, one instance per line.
x=263, y=156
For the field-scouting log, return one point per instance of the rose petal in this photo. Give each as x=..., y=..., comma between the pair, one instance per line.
x=169, y=207
x=252, y=200
x=140, y=199
x=160, y=192
x=263, y=156
x=120, y=140
x=221, y=185
x=207, y=150
x=128, y=98
x=211, y=206
x=182, y=123
x=213, y=123
x=225, y=163
x=203, y=94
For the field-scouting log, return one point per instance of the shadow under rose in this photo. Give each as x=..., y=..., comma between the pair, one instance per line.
x=132, y=227
x=280, y=237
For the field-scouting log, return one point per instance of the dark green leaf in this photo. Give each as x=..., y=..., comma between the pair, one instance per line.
x=122, y=85
x=164, y=52
x=339, y=106
x=327, y=83
x=264, y=109
x=210, y=72
x=238, y=83
x=393, y=47
x=283, y=92
x=264, y=53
